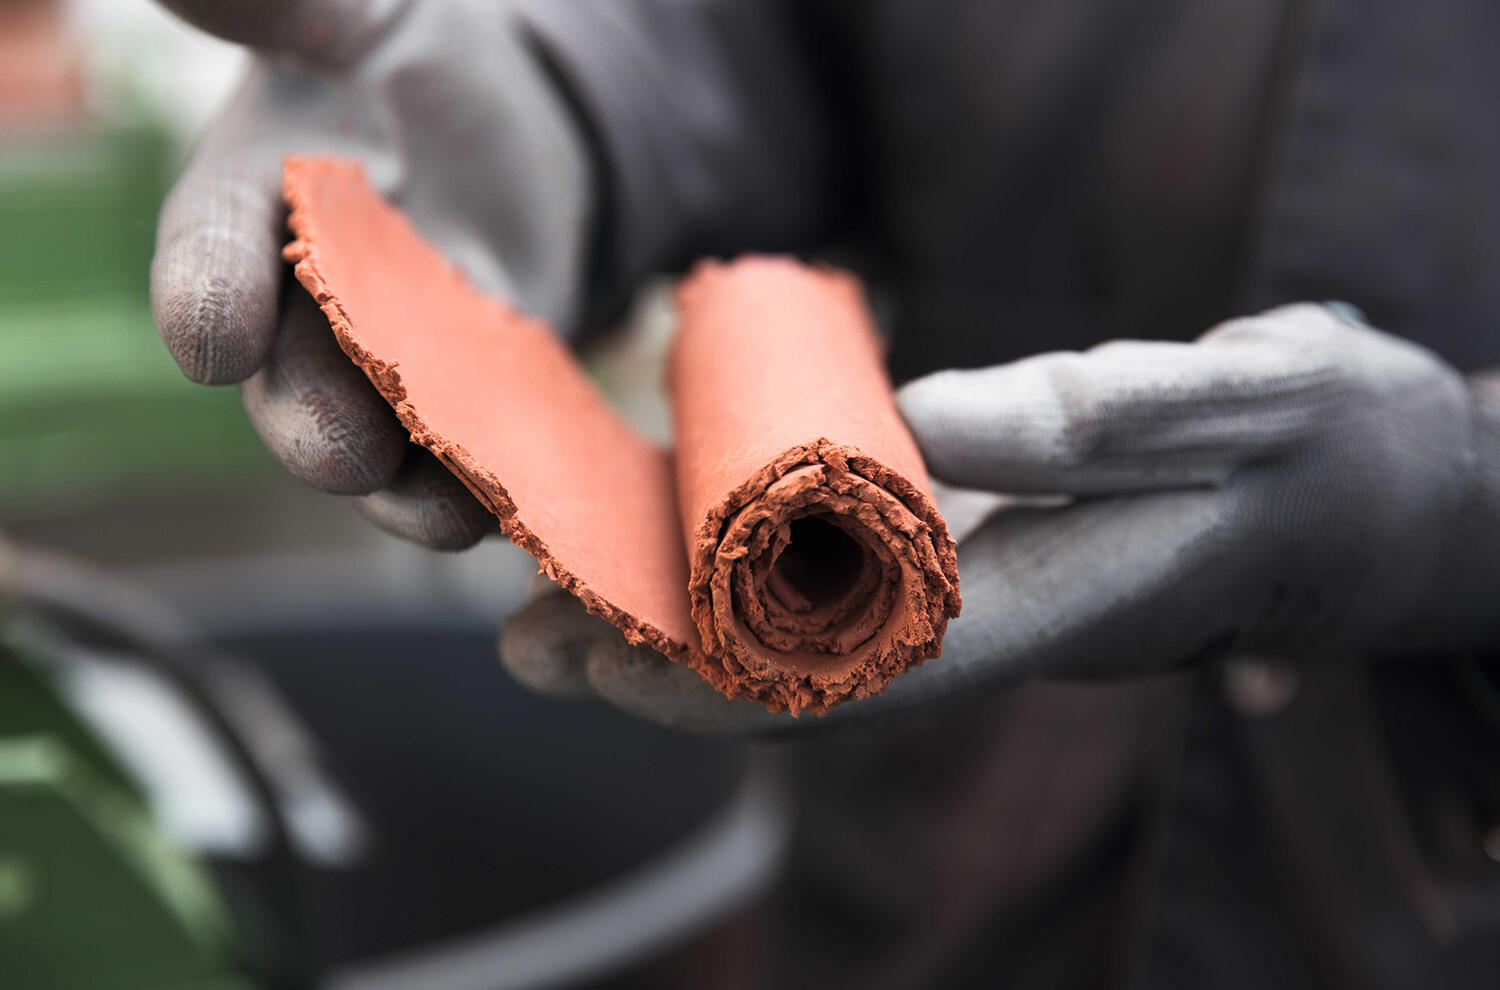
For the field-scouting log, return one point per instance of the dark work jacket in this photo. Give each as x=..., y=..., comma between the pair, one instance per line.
x=1014, y=177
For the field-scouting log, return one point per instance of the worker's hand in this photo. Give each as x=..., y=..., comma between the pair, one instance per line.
x=451, y=112
x=1282, y=486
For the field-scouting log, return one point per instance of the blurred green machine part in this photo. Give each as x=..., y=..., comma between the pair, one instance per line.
x=91, y=893
x=91, y=406
x=29, y=707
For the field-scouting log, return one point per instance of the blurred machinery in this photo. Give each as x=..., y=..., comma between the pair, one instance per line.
x=324, y=808
x=330, y=782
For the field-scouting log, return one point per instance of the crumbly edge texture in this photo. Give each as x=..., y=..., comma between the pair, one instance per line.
x=784, y=691
x=303, y=253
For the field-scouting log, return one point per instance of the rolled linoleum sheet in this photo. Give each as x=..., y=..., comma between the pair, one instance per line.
x=819, y=567
x=790, y=552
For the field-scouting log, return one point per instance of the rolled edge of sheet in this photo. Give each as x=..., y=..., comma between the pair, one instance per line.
x=826, y=572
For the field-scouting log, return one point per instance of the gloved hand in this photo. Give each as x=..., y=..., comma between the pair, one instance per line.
x=1291, y=484
x=450, y=109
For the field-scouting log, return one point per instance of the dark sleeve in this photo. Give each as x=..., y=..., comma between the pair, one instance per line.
x=712, y=129
x=1459, y=608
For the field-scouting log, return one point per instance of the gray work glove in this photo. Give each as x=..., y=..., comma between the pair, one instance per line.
x=1292, y=484
x=453, y=115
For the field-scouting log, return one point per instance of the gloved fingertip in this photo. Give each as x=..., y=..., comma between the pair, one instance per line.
x=921, y=397
x=426, y=504
x=641, y=681
x=430, y=525
x=943, y=411
x=325, y=437
x=1347, y=312
x=545, y=644
x=218, y=328
x=318, y=414
x=932, y=404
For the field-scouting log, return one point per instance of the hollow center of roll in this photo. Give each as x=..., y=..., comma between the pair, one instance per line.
x=821, y=562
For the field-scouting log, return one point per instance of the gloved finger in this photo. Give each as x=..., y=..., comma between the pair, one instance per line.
x=326, y=31
x=428, y=505
x=1126, y=416
x=217, y=269
x=1103, y=588
x=1108, y=587
x=1100, y=588
x=646, y=684
x=545, y=644
x=317, y=412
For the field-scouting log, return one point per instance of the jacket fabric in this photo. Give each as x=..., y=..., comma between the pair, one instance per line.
x=1031, y=175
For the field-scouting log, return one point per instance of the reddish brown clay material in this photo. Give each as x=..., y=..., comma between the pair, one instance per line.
x=817, y=567
x=820, y=567
x=500, y=400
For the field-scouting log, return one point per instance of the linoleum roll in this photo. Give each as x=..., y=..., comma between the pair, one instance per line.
x=790, y=552
x=819, y=565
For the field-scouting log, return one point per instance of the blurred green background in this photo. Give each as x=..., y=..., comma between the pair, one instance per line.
x=91, y=407
x=245, y=737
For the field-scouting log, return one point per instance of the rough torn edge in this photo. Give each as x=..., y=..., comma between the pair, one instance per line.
x=303, y=254
x=777, y=696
